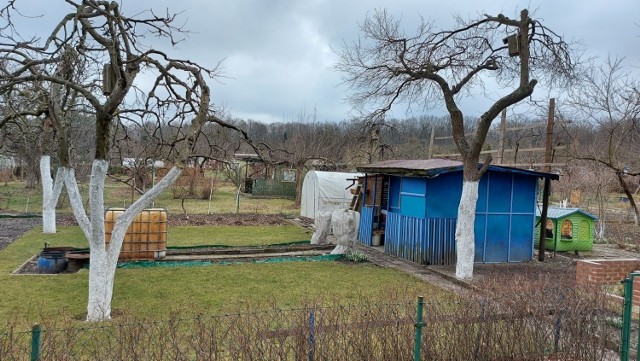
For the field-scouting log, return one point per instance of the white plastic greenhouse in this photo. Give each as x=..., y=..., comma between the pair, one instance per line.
x=325, y=192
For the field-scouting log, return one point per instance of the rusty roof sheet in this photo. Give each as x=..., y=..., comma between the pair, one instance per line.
x=416, y=164
x=433, y=167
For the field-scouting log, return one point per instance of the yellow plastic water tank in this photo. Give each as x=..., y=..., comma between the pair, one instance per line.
x=146, y=237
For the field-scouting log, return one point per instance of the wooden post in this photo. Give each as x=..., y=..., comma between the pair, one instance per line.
x=433, y=138
x=375, y=143
x=549, y=145
x=503, y=128
x=543, y=219
x=547, y=181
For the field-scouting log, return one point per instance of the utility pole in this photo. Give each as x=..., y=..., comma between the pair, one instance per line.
x=503, y=130
x=431, y=140
x=547, y=181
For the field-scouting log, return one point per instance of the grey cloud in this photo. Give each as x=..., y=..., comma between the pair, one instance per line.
x=278, y=54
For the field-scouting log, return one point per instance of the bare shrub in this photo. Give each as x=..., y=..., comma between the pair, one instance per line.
x=207, y=188
x=6, y=176
x=190, y=184
x=529, y=323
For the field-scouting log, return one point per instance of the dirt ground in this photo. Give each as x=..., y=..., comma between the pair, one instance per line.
x=211, y=220
x=12, y=228
x=552, y=273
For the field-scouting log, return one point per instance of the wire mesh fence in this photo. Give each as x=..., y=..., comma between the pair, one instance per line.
x=567, y=324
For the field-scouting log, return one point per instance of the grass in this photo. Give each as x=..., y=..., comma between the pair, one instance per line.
x=235, y=235
x=156, y=292
x=14, y=197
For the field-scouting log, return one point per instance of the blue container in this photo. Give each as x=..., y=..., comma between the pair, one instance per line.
x=52, y=261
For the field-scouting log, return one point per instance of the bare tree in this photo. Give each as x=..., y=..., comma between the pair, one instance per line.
x=18, y=139
x=389, y=67
x=110, y=48
x=609, y=99
x=301, y=142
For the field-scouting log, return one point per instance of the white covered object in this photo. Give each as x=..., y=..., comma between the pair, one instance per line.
x=325, y=192
x=323, y=227
x=345, y=227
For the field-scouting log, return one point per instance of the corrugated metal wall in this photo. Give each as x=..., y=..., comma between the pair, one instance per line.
x=366, y=225
x=420, y=240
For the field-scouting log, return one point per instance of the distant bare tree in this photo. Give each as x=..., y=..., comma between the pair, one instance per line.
x=389, y=67
x=609, y=99
x=301, y=142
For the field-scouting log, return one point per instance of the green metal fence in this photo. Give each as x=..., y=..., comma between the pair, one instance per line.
x=627, y=318
x=273, y=188
x=547, y=326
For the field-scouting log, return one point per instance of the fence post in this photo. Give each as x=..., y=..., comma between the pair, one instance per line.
x=556, y=334
x=312, y=333
x=36, y=330
x=626, y=318
x=476, y=349
x=238, y=200
x=418, y=326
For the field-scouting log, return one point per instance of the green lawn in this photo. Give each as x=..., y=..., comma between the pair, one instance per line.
x=14, y=197
x=235, y=235
x=207, y=289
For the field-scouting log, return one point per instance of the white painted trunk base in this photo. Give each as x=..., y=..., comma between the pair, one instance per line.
x=50, y=193
x=465, y=237
x=600, y=229
x=104, y=261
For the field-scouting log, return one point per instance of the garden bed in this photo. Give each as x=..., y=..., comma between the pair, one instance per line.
x=208, y=220
x=203, y=255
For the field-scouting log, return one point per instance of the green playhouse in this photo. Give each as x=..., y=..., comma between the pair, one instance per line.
x=567, y=229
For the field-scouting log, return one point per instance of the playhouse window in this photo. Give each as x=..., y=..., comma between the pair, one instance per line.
x=548, y=229
x=567, y=229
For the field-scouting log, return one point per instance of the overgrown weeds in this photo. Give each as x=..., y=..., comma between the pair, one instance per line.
x=538, y=324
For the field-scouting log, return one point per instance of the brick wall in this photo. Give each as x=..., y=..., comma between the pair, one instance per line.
x=608, y=272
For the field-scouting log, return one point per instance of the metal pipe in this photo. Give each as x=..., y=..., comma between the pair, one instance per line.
x=418, y=326
x=36, y=331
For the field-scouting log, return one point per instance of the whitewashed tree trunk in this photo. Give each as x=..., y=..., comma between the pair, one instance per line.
x=75, y=200
x=465, y=236
x=103, y=260
x=50, y=193
x=323, y=226
x=600, y=229
x=345, y=227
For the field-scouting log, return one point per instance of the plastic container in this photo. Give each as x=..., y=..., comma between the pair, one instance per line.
x=376, y=239
x=146, y=237
x=52, y=261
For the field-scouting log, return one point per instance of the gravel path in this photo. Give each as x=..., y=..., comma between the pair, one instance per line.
x=12, y=228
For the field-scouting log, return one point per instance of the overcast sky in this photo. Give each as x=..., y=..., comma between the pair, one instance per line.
x=277, y=54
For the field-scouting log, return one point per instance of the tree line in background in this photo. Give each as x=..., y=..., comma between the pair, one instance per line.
x=591, y=148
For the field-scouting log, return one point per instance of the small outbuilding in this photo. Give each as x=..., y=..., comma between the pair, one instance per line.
x=266, y=179
x=326, y=192
x=567, y=229
x=413, y=205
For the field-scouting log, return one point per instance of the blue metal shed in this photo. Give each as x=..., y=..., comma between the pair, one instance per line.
x=414, y=203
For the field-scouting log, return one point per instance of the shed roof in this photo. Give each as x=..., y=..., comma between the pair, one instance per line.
x=433, y=167
x=558, y=212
